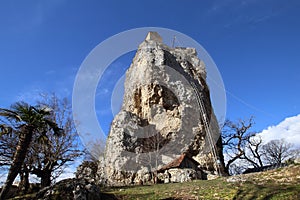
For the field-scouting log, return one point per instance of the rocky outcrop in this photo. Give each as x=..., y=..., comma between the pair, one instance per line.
x=87, y=171
x=73, y=189
x=161, y=116
x=82, y=187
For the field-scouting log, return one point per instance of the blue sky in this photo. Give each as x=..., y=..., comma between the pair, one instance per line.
x=255, y=44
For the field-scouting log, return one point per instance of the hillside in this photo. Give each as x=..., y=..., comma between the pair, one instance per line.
x=283, y=183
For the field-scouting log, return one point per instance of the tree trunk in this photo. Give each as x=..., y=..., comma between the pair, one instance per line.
x=24, y=180
x=223, y=170
x=46, y=179
x=44, y=173
x=18, y=159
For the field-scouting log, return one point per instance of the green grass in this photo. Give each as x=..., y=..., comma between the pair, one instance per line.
x=214, y=189
x=265, y=185
x=271, y=185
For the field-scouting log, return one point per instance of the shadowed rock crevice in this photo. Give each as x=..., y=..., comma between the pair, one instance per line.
x=145, y=145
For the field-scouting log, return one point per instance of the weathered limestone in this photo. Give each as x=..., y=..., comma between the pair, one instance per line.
x=160, y=117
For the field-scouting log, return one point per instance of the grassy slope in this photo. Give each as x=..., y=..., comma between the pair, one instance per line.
x=276, y=184
x=281, y=183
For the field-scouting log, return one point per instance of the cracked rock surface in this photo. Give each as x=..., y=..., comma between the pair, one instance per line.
x=160, y=116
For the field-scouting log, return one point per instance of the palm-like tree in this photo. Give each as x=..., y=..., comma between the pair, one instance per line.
x=26, y=121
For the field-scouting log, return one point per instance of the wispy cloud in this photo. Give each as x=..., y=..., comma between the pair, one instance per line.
x=50, y=72
x=102, y=91
x=219, y=6
x=43, y=10
x=59, y=82
x=236, y=13
x=30, y=17
x=30, y=95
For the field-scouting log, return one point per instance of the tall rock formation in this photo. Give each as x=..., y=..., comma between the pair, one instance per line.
x=166, y=113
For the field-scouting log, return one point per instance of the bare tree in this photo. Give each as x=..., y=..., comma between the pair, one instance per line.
x=241, y=144
x=147, y=151
x=47, y=156
x=254, y=150
x=49, y=159
x=94, y=151
x=277, y=151
x=238, y=168
x=7, y=149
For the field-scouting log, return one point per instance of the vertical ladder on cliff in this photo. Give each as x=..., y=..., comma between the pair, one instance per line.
x=203, y=114
x=173, y=41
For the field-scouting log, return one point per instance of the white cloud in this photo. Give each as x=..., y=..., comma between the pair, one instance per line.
x=69, y=171
x=289, y=129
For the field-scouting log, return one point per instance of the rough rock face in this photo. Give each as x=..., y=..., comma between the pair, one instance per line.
x=161, y=116
x=87, y=171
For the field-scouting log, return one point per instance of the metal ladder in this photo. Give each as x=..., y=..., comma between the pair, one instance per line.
x=206, y=126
